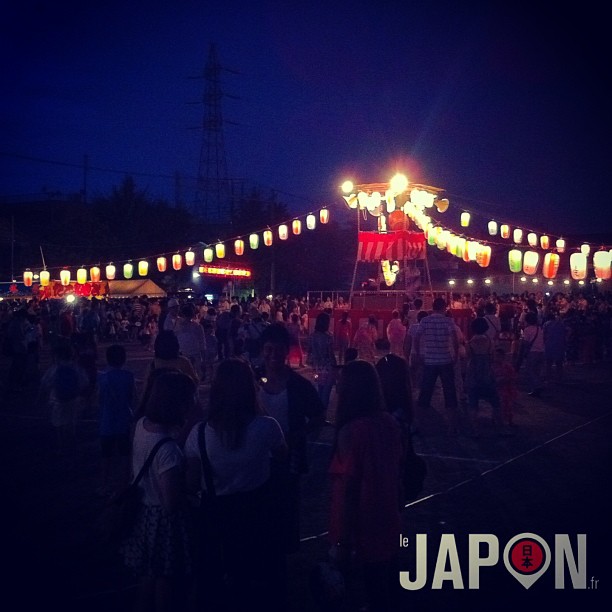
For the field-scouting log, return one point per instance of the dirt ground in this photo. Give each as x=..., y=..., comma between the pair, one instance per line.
x=552, y=476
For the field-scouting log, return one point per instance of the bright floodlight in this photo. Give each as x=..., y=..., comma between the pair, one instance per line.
x=347, y=186
x=70, y=298
x=399, y=183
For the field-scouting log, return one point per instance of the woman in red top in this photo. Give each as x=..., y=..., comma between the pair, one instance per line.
x=365, y=486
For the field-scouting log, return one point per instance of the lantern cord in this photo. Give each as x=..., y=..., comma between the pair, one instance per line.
x=43, y=258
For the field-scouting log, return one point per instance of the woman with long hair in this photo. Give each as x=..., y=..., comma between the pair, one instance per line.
x=242, y=566
x=365, y=486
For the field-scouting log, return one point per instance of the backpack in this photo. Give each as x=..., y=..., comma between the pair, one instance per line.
x=66, y=383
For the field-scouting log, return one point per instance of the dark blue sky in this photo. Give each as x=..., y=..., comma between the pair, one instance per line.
x=504, y=108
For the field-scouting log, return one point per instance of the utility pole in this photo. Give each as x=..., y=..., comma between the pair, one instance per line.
x=213, y=201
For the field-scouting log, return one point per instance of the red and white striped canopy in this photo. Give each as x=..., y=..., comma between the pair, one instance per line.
x=374, y=246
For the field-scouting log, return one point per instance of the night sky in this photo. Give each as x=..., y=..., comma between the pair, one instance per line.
x=506, y=109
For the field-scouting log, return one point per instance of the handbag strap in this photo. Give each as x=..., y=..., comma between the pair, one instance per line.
x=206, y=466
x=149, y=460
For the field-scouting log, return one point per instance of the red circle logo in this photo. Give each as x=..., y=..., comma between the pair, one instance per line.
x=527, y=556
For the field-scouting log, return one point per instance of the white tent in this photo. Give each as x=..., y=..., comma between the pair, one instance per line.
x=134, y=287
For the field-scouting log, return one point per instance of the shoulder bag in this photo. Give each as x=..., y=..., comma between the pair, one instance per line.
x=121, y=511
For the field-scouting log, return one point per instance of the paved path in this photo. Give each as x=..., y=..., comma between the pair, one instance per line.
x=551, y=477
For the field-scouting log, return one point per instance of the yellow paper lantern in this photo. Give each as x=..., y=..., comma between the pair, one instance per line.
x=578, y=265
x=239, y=246
x=560, y=244
x=267, y=237
x=65, y=277
x=28, y=278
x=530, y=262
x=177, y=261
x=189, y=257
x=550, y=265
x=81, y=276
x=296, y=226
x=504, y=230
x=601, y=264
x=465, y=219
x=254, y=241
x=515, y=260
x=220, y=250
x=311, y=221
x=492, y=227
x=143, y=267
x=544, y=242
x=111, y=271
x=45, y=278
x=283, y=231
x=94, y=274
x=162, y=264
x=208, y=254
x=324, y=214
x=128, y=270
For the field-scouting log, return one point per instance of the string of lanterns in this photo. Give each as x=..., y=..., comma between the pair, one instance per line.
x=93, y=273
x=402, y=199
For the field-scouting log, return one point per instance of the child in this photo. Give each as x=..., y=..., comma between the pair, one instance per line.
x=62, y=386
x=117, y=398
x=295, y=347
x=506, y=381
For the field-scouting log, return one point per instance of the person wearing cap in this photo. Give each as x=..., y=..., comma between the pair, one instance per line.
x=172, y=314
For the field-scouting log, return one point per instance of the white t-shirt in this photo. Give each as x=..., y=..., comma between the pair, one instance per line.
x=242, y=469
x=167, y=457
x=276, y=405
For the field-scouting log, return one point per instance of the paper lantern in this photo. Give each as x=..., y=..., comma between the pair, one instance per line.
x=267, y=237
x=461, y=247
x=94, y=274
x=110, y=272
x=578, y=265
x=283, y=231
x=560, y=244
x=324, y=213
x=208, y=254
x=143, y=267
x=220, y=250
x=492, y=226
x=465, y=219
x=515, y=260
x=532, y=239
x=433, y=234
x=544, y=242
x=442, y=205
x=483, y=256
x=239, y=246
x=254, y=241
x=550, y=265
x=45, y=278
x=296, y=227
x=442, y=238
x=585, y=249
x=311, y=221
x=81, y=276
x=128, y=270
x=189, y=257
x=162, y=264
x=28, y=278
x=65, y=277
x=601, y=264
x=472, y=249
x=504, y=231
x=517, y=235
x=530, y=262
x=177, y=261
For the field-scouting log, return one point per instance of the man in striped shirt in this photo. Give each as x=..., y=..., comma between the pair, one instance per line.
x=437, y=346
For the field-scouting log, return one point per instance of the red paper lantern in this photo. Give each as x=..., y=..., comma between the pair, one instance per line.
x=398, y=220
